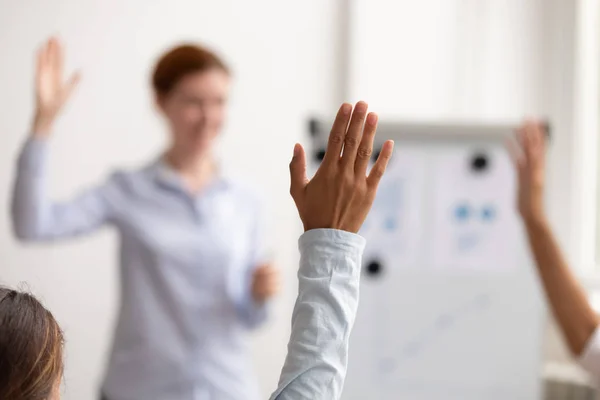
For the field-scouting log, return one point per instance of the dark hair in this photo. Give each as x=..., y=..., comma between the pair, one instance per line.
x=181, y=61
x=31, y=348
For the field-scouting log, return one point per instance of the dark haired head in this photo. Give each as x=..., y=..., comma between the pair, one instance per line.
x=31, y=348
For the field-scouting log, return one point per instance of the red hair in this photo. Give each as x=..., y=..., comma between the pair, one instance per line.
x=181, y=61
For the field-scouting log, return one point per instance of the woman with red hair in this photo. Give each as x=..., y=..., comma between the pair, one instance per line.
x=194, y=276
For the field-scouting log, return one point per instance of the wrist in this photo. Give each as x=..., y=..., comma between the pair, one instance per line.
x=42, y=125
x=331, y=238
x=330, y=226
x=535, y=220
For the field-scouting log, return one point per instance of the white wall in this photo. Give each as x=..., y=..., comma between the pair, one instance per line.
x=450, y=59
x=282, y=54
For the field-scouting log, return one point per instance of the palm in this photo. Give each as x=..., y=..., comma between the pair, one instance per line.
x=48, y=89
x=51, y=90
x=530, y=162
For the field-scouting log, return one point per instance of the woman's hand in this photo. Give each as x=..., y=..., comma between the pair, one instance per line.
x=341, y=194
x=51, y=90
x=265, y=283
x=530, y=161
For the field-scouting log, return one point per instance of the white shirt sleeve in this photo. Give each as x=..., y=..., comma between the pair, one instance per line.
x=590, y=358
x=317, y=359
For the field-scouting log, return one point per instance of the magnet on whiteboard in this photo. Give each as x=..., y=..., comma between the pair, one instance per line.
x=547, y=128
x=374, y=268
x=479, y=162
x=313, y=127
x=375, y=155
x=390, y=224
x=488, y=213
x=462, y=212
x=319, y=155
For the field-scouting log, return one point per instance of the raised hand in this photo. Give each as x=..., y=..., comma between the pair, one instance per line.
x=265, y=283
x=341, y=194
x=50, y=89
x=530, y=161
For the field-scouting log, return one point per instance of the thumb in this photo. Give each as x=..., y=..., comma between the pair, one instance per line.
x=298, y=170
x=71, y=85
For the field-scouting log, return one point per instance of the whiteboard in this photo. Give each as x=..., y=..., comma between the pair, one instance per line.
x=450, y=306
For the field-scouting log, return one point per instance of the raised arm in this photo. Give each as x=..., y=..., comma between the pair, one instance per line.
x=332, y=206
x=34, y=215
x=567, y=298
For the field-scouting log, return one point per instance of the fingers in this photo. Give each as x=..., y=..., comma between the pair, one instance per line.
x=53, y=59
x=515, y=152
x=521, y=137
x=265, y=270
x=47, y=53
x=43, y=57
x=354, y=134
x=380, y=165
x=537, y=146
x=58, y=60
x=365, y=149
x=527, y=140
x=46, y=61
x=298, y=171
x=537, y=139
x=40, y=62
x=266, y=282
x=531, y=138
x=262, y=293
x=337, y=135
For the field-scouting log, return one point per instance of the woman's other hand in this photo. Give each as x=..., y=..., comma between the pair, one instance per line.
x=265, y=283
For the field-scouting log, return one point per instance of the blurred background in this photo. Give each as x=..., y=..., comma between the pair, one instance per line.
x=428, y=60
